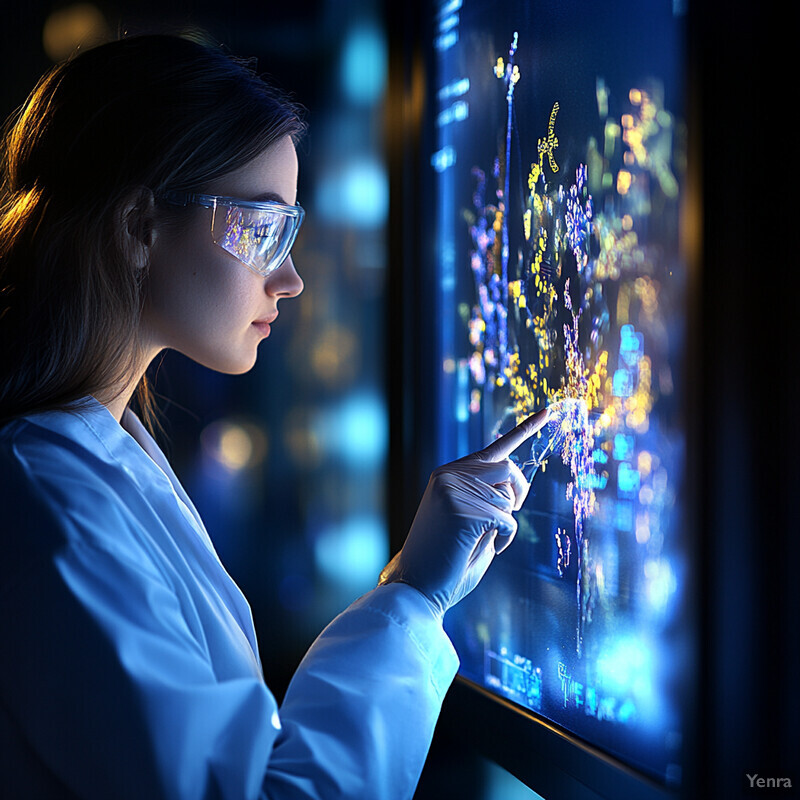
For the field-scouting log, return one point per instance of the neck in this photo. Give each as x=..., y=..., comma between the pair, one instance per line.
x=118, y=404
x=117, y=398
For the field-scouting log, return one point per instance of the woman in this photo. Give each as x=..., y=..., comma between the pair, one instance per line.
x=149, y=202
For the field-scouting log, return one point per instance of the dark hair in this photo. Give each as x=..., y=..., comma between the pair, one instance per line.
x=153, y=111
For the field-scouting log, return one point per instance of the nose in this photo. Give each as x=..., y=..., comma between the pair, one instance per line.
x=284, y=281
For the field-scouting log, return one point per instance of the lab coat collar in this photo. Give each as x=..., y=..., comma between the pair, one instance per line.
x=124, y=444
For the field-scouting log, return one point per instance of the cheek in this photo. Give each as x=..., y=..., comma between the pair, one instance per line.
x=194, y=290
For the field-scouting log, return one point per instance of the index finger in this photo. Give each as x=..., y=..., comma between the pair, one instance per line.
x=503, y=447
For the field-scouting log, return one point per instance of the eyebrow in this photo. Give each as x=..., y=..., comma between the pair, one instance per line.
x=272, y=197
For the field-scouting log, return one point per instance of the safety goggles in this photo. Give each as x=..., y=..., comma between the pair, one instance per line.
x=259, y=234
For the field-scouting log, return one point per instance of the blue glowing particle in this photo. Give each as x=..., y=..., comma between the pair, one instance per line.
x=631, y=345
x=599, y=456
x=622, y=384
x=628, y=479
x=623, y=447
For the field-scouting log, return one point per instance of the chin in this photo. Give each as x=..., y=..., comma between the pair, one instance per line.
x=227, y=364
x=240, y=368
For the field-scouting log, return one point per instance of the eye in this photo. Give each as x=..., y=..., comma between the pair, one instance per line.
x=261, y=230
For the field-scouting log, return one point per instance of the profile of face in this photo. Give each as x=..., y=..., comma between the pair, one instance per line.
x=200, y=299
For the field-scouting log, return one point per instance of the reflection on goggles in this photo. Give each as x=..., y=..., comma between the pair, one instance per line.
x=259, y=234
x=254, y=237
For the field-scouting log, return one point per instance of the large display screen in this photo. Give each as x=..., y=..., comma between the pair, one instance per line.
x=559, y=173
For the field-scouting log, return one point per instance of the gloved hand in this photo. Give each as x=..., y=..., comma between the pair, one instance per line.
x=464, y=518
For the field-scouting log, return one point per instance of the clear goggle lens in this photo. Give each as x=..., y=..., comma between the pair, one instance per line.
x=259, y=237
x=259, y=234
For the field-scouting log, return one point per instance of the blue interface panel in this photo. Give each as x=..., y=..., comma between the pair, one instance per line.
x=559, y=173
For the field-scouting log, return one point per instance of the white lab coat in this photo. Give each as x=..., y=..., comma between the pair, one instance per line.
x=128, y=660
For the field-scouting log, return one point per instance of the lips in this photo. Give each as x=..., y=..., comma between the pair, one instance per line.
x=263, y=325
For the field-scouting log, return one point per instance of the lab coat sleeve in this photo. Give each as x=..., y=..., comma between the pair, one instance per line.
x=110, y=685
x=359, y=714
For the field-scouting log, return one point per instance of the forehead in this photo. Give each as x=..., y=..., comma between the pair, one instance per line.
x=272, y=175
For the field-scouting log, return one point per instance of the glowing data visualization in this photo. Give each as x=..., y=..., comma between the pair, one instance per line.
x=558, y=170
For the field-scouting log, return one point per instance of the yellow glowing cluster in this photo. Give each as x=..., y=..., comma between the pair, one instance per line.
x=640, y=403
x=637, y=128
x=646, y=147
x=575, y=383
x=523, y=396
x=556, y=368
x=499, y=70
x=646, y=289
x=533, y=177
x=477, y=327
x=619, y=250
x=547, y=145
x=497, y=225
x=596, y=381
x=516, y=294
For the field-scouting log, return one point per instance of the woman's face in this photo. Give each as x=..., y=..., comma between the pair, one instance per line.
x=203, y=301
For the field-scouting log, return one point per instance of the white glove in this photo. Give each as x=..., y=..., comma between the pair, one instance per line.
x=463, y=520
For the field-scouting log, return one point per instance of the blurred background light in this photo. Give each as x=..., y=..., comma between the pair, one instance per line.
x=364, y=63
x=335, y=355
x=355, y=194
x=356, y=430
x=234, y=444
x=76, y=25
x=352, y=553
